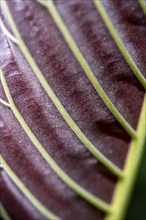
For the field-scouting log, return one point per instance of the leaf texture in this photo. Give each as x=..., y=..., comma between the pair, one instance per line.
x=72, y=107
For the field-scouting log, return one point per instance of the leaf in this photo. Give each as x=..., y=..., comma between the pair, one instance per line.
x=73, y=75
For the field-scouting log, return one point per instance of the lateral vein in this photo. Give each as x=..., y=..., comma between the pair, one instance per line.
x=143, y=5
x=3, y=102
x=7, y=33
x=83, y=63
x=105, y=161
x=4, y=213
x=119, y=42
x=98, y=203
x=36, y=203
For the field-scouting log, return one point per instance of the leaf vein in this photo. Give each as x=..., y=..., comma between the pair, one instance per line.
x=105, y=161
x=119, y=43
x=98, y=203
x=83, y=63
x=36, y=203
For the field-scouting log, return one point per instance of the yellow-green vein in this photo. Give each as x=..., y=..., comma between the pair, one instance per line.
x=3, y=102
x=7, y=33
x=119, y=43
x=4, y=213
x=93, y=200
x=124, y=187
x=77, y=53
x=143, y=5
x=105, y=161
x=38, y=205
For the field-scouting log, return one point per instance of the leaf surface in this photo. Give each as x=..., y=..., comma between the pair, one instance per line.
x=66, y=151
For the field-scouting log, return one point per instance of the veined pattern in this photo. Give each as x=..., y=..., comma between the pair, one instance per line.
x=112, y=210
